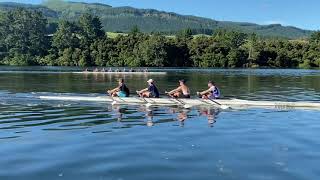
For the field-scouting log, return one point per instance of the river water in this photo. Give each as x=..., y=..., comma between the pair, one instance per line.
x=83, y=140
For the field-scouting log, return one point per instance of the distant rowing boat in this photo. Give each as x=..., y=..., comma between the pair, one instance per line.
x=234, y=103
x=137, y=73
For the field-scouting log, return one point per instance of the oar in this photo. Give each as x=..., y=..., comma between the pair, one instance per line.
x=114, y=102
x=221, y=105
x=148, y=104
x=179, y=101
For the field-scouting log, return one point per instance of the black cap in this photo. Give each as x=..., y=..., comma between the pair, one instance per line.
x=182, y=80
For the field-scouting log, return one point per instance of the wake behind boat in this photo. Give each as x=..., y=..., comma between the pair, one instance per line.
x=234, y=103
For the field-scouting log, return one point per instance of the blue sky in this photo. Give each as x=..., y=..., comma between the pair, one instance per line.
x=300, y=13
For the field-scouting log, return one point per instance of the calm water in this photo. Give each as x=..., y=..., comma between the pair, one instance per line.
x=73, y=140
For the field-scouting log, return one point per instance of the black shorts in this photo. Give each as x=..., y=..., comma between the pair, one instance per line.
x=153, y=95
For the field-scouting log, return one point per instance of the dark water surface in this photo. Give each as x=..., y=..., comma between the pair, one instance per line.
x=75, y=140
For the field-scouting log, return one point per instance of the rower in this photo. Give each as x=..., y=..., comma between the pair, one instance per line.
x=103, y=70
x=181, y=92
x=96, y=70
x=121, y=91
x=110, y=70
x=151, y=91
x=212, y=93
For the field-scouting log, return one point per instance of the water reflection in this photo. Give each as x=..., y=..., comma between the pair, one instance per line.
x=119, y=110
x=130, y=116
x=210, y=113
x=149, y=114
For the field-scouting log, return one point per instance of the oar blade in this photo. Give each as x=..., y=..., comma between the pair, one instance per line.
x=187, y=106
x=148, y=105
x=225, y=107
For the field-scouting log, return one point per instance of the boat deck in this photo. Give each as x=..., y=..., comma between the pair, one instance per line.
x=234, y=103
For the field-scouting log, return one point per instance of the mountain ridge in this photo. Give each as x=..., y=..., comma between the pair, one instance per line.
x=122, y=19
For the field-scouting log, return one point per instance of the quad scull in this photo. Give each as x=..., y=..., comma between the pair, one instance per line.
x=234, y=103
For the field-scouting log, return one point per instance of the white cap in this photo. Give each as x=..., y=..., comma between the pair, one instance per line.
x=150, y=81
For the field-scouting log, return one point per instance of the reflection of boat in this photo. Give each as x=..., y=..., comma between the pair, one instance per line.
x=137, y=73
x=234, y=103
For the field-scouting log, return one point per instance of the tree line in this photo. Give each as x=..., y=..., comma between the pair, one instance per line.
x=24, y=41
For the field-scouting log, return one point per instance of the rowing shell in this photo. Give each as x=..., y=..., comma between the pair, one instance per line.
x=135, y=73
x=234, y=103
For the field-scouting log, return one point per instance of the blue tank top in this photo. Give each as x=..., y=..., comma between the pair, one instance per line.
x=154, y=90
x=216, y=92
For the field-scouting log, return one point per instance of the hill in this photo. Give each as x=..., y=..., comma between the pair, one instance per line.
x=122, y=19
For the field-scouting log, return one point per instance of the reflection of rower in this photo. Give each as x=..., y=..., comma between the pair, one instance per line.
x=120, y=111
x=121, y=91
x=181, y=92
x=210, y=114
x=212, y=93
x=149, y=115
x=183, y=116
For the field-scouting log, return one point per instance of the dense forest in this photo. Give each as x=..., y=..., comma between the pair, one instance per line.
x=24, y=41
x=122, y=19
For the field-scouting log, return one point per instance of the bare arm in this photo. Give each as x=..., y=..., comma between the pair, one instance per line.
x=207, y=91
x=114, y=90
x=175, y=90
x=142, y=91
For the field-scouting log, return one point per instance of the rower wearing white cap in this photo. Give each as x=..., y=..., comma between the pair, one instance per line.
x=151, y=91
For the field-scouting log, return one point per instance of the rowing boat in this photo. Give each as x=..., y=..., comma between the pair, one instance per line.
x=135, y=73
x=234, y=103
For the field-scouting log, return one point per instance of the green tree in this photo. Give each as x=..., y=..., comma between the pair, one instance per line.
x=153, y=51
x=90, y=29
x=315, y=37
x=236, y=58
x=25, y=32
x=102, y=51
x=184, y=35
x=66, y=36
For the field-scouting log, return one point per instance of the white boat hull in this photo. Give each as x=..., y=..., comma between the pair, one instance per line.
x=234, y=103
